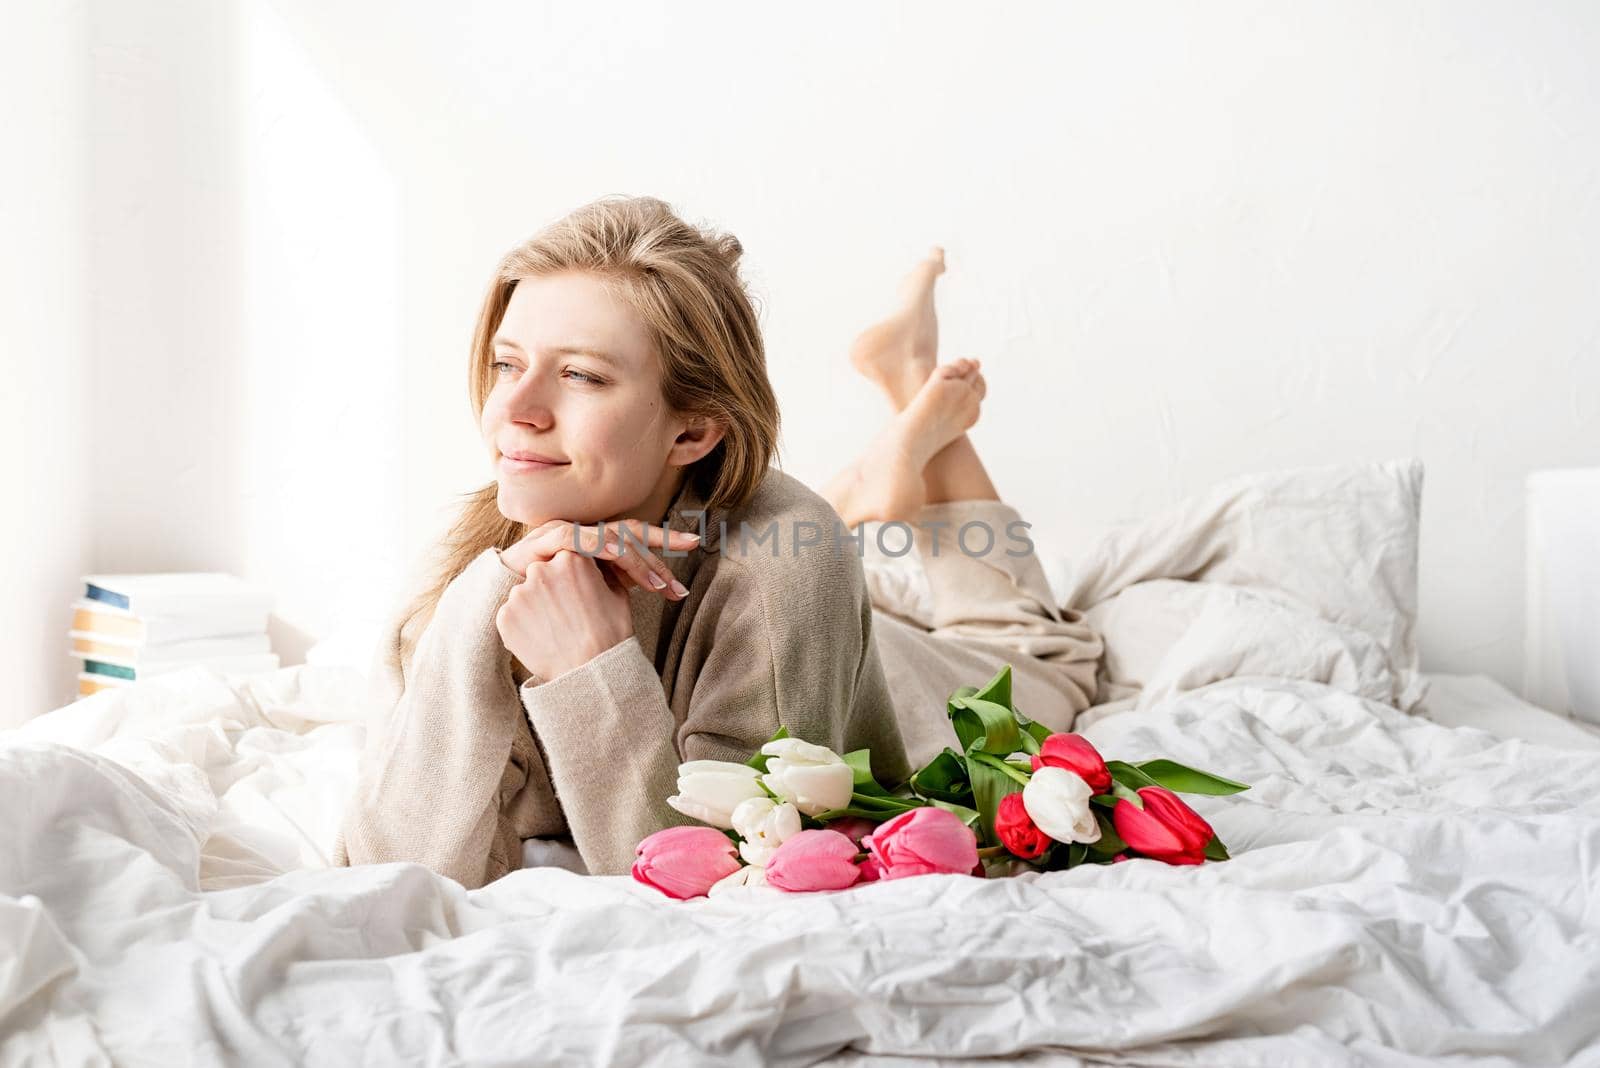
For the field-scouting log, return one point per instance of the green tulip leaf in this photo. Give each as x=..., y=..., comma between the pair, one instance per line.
x=997, y=689
x=1122, y=793
x=1215, y=850
x=1186, y=780
x=890, y=805
x=1129, y=775
x=1017, y=773
x=1109, y=841
x=860, y=761
x=967, y=815
x=944, y=778
x=989, y=785
x=875, y=812
x=984, y=726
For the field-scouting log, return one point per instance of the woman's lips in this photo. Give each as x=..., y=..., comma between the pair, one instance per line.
x=527, y=467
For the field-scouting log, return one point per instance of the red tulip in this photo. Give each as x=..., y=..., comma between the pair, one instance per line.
x=1166, y=828
x=814, y=860
x=684, y=862
x=1075, y=753
x=923, y=841
x=1017, y=830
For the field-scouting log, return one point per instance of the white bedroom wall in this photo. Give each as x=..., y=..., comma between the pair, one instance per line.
x=45, y=509
x=1187, y=242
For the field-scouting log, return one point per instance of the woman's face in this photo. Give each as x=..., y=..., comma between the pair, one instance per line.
x=577, y=383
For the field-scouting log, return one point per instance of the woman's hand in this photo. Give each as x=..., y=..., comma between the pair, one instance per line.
x=563, y=614
x=632, y=565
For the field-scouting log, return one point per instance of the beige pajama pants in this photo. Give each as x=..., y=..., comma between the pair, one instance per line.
x=982, y=610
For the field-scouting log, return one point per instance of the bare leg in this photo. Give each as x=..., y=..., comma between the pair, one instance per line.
x=887, y=482
x=899, y=354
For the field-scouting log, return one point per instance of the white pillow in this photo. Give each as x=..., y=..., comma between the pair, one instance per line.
x=1167, y=636
x=1338, y=542
x=1334, y=543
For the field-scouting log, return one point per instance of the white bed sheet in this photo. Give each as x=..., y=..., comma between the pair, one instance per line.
x=1402, y=891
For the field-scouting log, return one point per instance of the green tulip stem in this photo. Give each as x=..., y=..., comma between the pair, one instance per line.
x=1003, y=765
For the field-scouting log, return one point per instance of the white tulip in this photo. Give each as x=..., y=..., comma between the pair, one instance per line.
x=1057, y=801
x=764, y=824
x=813, y=777
x=709, y=790
x=748, y=875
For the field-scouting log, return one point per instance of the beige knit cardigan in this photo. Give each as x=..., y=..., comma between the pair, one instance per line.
x=466, y=755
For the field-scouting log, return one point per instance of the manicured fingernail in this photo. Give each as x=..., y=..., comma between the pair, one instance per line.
x=679, y=588
x=657, y=581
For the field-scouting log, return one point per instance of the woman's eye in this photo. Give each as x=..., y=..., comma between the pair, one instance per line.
x=580, y=376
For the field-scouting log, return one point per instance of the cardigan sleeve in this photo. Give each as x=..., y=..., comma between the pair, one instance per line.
x=437, y=757
x=607, y=733
x=797, y=655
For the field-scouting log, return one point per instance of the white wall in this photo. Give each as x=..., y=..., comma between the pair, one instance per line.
x=1187, y=241
x=45, y=493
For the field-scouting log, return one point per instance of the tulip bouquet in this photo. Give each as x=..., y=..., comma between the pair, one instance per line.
x=1017, y=797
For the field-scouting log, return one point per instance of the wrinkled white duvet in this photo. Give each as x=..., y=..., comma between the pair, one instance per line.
x=1401, y=893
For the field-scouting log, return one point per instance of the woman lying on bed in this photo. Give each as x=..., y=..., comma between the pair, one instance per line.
x=549, y=683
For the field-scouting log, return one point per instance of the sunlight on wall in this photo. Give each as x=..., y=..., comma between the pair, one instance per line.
x=319, y=391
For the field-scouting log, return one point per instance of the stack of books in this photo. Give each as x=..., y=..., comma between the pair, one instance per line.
x=130, y=627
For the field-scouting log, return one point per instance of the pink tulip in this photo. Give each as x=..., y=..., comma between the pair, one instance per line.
x=854, y=828
x=924, y=841
x=684, y=862
x=814, y=860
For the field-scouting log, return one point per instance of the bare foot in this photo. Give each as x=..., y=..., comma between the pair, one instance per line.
x=886, y=482
x=899, y=352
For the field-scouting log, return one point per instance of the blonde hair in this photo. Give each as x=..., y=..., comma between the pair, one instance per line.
x=684, y=282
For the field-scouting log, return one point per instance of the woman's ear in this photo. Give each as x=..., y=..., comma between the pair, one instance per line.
x=698, y=437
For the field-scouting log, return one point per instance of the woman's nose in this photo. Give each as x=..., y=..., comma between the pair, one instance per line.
x=530, y=402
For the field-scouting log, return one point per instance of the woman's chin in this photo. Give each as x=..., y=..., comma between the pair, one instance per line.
x=520, y=506
x=516, y=506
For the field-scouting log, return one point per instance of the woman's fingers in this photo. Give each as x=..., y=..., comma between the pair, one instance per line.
x=647, y=570
x=620, y=546
x=660, y=576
